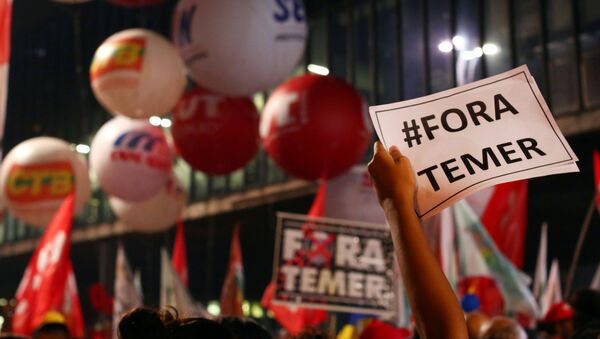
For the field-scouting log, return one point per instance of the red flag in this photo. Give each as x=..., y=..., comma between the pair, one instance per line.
x=379, y=329
x=179, y=259
x=597, y=175
x=505, y=219
x=5, y=17
x=295, y=319
x=48, y=283
x=232, y=294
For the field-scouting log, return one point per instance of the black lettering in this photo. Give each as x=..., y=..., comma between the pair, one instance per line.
x=460, y=114
x=486, y=155
x=475, y=114
x=429, y=172
x=429, y=129
x=498, y=98
x=532, y=147
x=506, y=153
x=448, y=170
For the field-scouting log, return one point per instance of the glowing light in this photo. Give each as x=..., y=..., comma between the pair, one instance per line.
x=166, y=123
x=445, y=46
x=82, y=148
x=490, y=49
x=459, y=42
x=477, y=52
x=213, y=308
x=318, y=69
x=246, y=308
x=256, y=311
x=155, y=121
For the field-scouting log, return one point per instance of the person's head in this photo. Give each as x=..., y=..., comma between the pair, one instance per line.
x=559, y=320
x=245, y=328
x=51, y=331
x=504, y=328
x=53, y=327
x=11, y=336
x=145, y=323
x=476, y=324
x=311, y=333
x=193, y=328
x=586, y=307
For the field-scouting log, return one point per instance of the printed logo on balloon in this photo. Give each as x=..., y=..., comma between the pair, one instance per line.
x=238, y=57
x=315, y=127
x=213, y=133
x=137, y=73
x=38, y=174
x=131, y=159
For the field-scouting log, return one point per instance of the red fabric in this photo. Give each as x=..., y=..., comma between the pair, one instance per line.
x=179, y=259
x=48, y=283
x=597, y=175
x=558, y=312
x=232, y=295
x=486, y=289
x=5, y=15
x=293, y=319
x=100, y=299
x=378, y=329
x=505, y=219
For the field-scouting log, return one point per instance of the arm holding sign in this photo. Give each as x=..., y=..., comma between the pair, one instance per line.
x=436, y=309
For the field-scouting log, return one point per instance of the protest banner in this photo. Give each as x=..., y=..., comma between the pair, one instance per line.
x=333, y=264
x=464, y=139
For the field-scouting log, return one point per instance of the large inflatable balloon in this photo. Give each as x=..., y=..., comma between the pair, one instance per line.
x=38, y=174
x=239, y=47
x=137, y=73
x=135, y=3
x=155, y=214
x=315, y=127
x=213, y=133
x=130, y=158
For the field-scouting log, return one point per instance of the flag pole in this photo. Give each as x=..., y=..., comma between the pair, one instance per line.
x=582, y=235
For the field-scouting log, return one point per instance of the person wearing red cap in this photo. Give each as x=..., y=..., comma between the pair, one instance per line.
x=559, y=321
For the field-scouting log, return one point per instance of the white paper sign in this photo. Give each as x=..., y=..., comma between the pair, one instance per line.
x=461, y=140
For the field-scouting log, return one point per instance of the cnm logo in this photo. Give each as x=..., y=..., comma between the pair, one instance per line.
x=138, y=139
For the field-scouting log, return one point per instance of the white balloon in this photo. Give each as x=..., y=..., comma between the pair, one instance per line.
x=137, y=73
x=240, y=47
x=130, y=158
x=37, y=175
x=155, y=214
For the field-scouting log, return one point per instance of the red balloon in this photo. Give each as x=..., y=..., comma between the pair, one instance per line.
x=135, y=3
x=315, y=127
x=213, y=133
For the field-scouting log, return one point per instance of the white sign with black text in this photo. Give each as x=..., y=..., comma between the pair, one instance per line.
x=334, y=264
x=491, y=131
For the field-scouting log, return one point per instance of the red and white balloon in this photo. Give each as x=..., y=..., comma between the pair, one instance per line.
x=213, y=133
x=315, y=127
x=238, y=48
x=38, y=174
x=155, y=214
x=137, y=73
x=130, y=158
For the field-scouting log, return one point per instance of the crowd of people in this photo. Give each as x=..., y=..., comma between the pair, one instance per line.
x=435, y=308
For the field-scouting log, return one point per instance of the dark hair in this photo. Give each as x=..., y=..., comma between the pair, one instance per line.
x=591, y=330
x=311, y=333
x=193, y=328
x=11, y=336
x=244, y=328
x=586, y=304
x=51, y=327
x=145, y=323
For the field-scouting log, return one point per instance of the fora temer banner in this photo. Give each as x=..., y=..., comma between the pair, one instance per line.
x=333, y=264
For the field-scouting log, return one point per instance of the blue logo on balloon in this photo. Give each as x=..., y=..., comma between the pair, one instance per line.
x=289, y=9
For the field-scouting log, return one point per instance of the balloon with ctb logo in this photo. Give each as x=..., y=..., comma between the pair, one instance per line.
x=38, y=174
